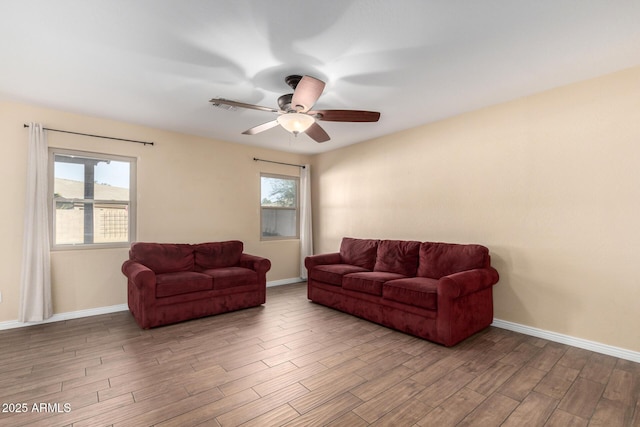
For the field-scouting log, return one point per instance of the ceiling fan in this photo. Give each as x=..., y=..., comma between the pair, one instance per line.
x=295, y=113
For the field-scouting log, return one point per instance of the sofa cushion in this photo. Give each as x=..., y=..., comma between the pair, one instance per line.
x=442, y=259
x=182, y=282
x=398, y=256
x=332, y=273
x=369, y=282
x=217, y=254
x=416, y=291
x=230, y=277
x=359, y=252
x=163, y=257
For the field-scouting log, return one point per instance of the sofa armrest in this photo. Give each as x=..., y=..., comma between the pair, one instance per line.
x=467, y=282
x=140, y=275
x=255, y=263
x=322, y=259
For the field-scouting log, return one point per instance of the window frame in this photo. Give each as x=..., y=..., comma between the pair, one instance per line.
x=296, y=179
x=132, y=209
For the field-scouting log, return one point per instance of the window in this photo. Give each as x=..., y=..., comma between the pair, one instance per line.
x=279, y=212
x=93, y=199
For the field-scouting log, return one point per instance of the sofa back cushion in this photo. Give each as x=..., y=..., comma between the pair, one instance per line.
x=163, y=257
x=442, y=259
x=218, y=254
x=398, y=256
x=359, y=252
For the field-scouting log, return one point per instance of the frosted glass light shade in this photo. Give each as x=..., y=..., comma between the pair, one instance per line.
x=295, y=122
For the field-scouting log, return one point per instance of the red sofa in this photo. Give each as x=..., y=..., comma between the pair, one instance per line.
x=438, y=291
x=169, y=283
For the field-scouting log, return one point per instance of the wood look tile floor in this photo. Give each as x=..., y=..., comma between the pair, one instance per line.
x=295, y=363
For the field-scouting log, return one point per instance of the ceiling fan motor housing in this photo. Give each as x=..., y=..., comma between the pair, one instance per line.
x=284, y=102
x=293, y=80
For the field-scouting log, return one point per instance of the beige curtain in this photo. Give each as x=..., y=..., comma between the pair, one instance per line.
x=35, y=282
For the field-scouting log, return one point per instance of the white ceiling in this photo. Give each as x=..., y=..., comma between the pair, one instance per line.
x=158, y=62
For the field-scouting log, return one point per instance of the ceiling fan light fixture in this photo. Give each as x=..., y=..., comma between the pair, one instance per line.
x=295, y=122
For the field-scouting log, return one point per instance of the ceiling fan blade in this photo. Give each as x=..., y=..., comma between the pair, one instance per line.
x=221, y=101
x=261, y=128
x=306, y=93
x=316, y=133
x=346, y=115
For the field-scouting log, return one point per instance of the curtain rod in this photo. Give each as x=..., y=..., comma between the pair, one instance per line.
x=279, y=163
x=96, y=136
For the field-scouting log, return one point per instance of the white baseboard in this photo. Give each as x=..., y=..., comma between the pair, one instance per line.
x=66, y=316
x=285, y=281
x=609, y=350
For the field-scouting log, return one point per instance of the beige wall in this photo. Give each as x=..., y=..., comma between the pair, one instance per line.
x=190, y=189
x=550, y=183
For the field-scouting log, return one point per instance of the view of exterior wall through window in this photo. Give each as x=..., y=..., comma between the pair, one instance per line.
x=93, y=199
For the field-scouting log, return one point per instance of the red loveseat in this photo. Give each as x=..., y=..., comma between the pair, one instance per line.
x=438, y=291
x=169, y=283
